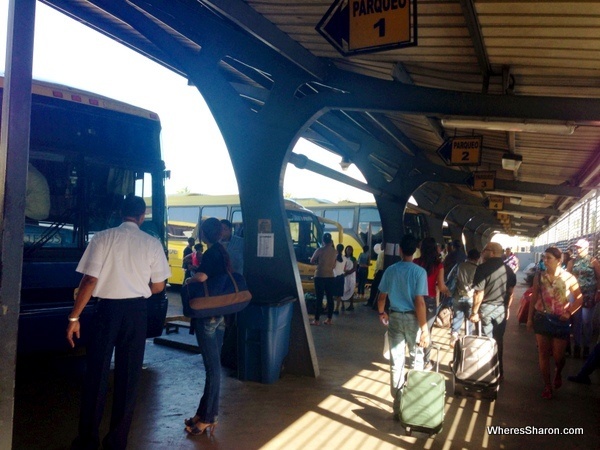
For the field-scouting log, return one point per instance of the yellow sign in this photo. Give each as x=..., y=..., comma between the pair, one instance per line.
x=503, y=218
x=466, y=150
x=379, y=22
x=496, y=202
x=484, y=181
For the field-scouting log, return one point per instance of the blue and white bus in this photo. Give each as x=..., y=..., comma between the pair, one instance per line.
x=86, y=153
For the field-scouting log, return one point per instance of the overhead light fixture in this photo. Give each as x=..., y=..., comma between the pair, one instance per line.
x=511, y=161
x=345, y=163
x=547, y=128
x=515, y=200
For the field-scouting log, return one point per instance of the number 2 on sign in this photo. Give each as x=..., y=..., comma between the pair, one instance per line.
x=380, y=24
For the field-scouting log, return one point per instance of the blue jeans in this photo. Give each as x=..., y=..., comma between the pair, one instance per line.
x=583, y=326
x=402, y=331
x=493, y=324
x=462, y=311
x=209, y=334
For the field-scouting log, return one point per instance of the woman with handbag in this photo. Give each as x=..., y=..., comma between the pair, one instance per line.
x=209, y=332
x=431, y=261
x=549, y=314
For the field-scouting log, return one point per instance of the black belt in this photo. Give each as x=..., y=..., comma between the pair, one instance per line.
x=403, y=312
x=121, y=299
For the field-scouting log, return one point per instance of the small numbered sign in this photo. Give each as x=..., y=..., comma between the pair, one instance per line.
x=484, y=181
x=496, y=202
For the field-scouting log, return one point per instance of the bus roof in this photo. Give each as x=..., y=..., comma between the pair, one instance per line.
x=69, y=94
x=213, y=200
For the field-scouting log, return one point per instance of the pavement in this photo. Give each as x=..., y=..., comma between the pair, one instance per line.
x=347, y=407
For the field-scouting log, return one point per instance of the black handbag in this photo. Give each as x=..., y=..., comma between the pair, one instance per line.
x=217, y=296
x=550, y=325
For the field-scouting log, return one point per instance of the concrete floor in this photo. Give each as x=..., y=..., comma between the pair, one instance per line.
x=347, y=407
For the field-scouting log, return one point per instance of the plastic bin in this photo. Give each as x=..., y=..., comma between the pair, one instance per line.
x=264, y=340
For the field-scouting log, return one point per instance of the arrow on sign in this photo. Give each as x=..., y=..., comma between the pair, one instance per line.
x=335, y=25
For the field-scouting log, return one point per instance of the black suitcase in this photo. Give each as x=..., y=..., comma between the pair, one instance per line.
x=475, y=367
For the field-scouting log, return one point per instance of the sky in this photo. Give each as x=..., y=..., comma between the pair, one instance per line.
x=69, y=53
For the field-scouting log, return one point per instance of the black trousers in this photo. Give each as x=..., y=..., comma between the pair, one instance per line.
x=375, y=289
x=120, y=325
x=324, y=287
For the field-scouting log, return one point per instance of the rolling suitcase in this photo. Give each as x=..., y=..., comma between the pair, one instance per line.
x=422, y=399
x=475, y=367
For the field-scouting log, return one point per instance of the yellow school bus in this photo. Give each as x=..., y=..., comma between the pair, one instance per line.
x=186, y=210
x=361, y=224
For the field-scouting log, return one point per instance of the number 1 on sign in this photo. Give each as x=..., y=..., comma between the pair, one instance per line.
x=380, y=24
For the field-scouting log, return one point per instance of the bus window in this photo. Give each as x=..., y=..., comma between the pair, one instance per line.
x=343, y=216
x=305, y=233
x=189, y=214
x=220, y=212
x=236, y=221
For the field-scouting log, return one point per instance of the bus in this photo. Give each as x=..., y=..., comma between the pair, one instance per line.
x=185, y=211
x=361, y=223
x=86, y=154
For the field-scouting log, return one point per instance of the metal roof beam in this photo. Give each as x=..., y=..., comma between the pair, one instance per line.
x=362, y=93
x=472, y=21
x=525, y=187
x=265, y=31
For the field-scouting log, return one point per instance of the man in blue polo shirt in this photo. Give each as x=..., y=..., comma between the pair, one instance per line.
x=405, y=284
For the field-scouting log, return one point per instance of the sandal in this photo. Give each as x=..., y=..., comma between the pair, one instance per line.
x=547, y=392
x=199, y=428
x=557, y=381
x=191, y=422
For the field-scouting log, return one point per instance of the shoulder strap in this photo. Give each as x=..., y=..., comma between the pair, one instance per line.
x=539, y=280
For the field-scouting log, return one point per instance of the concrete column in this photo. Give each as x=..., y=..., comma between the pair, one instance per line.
x=14, y=156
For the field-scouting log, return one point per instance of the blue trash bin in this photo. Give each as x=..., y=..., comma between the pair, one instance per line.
x=264, y=339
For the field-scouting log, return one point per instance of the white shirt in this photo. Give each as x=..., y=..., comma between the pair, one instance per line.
x=124, y=259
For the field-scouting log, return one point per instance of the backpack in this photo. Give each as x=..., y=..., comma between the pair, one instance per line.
x=451, y=280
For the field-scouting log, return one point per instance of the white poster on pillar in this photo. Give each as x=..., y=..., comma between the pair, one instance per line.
x=266, y=245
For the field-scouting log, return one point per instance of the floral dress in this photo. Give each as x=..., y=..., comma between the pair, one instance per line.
x=586, y=277
x=554, y=294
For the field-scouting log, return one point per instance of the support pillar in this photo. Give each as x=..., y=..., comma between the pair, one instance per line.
x=14, y=156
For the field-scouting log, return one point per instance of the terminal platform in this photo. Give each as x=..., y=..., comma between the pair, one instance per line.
x=347, y=407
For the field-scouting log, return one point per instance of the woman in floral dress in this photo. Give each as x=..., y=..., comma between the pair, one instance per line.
x=550, y=300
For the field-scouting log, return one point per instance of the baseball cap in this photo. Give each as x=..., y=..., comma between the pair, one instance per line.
x=582, y=243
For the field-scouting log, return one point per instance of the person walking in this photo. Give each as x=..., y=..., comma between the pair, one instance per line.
x=350, y=277
x=234, y=245
x=121, y=267
x=325, y=258
x=587, y=271
x=462, y=301
x=362, y=273
x=405, y=285
x=493, y=283
x=549, y=314
x=209, y=332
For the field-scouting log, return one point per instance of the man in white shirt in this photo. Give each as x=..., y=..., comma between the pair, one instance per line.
x=122, y=267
